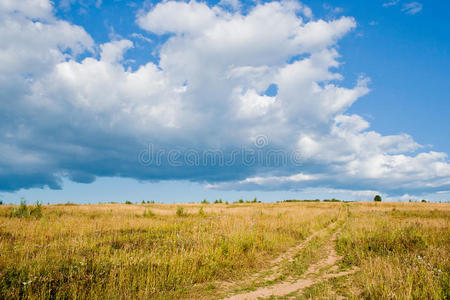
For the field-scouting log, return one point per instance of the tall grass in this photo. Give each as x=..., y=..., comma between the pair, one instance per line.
x=113, y=251
x=131, y=251
x=403, y=253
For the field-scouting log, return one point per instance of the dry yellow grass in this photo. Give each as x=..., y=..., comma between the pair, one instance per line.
x=119, y=251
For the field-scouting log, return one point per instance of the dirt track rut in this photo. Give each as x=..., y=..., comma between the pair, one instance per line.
x=309, y=278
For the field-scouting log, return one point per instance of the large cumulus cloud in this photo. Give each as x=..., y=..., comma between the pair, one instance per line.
x=67, y=116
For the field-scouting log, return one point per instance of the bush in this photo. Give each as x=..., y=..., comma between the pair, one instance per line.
x=23, y=211
x=148, y=213
x=128, y=202
x=377, y=198
x=201, y=212
x=180, y=212
x=204, y=201
x=37, y=210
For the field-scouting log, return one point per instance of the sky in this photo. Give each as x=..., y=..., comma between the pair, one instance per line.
x=178, y=101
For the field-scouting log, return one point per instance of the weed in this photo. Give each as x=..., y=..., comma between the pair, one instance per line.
x=24, y=211
x=180, y=212
x=201, y=212
x=148, y=213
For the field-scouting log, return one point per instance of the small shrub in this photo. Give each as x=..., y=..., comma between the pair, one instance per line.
x=36, y=211
x=180, y=212
x=23, y=211
x=201, y=212
x=128, y=202
x=148, y=213
x=204, y=201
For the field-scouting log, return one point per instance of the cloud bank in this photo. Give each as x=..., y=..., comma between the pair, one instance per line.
x=71, y=109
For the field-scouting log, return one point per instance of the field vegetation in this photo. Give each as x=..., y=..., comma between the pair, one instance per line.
x=247, y=250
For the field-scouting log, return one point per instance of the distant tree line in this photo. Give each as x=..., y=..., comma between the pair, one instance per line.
x=315, y=200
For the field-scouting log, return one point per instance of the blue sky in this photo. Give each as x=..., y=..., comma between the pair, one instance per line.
x=357, y=91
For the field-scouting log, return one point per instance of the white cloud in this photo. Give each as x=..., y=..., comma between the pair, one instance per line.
x=391, y=3
x=190, y=17
x=233, y=4
x=333, y=10
x=113, y=52
x=412, y=8
x=141, y=37
x=29, y=8
x=82, y=119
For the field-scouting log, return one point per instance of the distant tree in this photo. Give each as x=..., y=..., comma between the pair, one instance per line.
x=128, y=202
x=424, y=201
x=143, y=201
x=204, y=201
x=377, y=198
x=1, y=202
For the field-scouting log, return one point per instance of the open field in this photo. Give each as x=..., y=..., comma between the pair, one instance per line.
x=236, y=251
